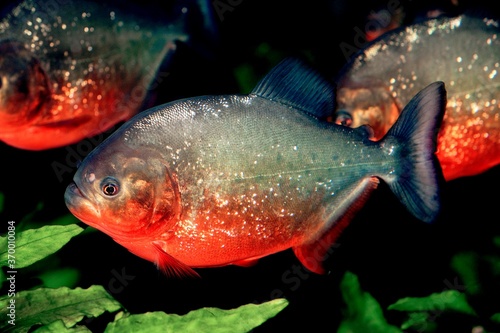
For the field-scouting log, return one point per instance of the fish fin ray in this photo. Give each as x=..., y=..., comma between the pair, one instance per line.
x=246, y=262
x=418, y=178
x=293, y=83
x=72, y=122
x=170, y=266
x=312, y=254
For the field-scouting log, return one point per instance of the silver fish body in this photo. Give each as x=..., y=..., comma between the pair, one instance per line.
x=464, y=53
x=73, y=70
x=214, y=180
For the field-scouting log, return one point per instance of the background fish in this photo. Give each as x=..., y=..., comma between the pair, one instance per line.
x=463, y=52
x=72, y=70
x=217, y=180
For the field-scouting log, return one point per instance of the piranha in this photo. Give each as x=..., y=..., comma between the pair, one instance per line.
x=73, y=70
x=463, y=52
x=227, y=179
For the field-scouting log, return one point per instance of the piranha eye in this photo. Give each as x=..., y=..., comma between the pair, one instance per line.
x=343, y=118
x=110, y=187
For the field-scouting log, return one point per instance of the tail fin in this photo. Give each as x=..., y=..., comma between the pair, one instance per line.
x=417, y=179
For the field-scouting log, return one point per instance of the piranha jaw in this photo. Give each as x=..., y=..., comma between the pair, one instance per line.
x=85, y=207
x=144, y=246
x=123, y=196
x=80, y=206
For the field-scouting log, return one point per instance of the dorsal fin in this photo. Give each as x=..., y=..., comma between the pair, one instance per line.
x=295, y=84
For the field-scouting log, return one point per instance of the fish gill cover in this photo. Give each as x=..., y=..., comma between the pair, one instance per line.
x=387, y=272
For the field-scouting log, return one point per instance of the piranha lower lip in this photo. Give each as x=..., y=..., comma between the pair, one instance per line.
x=74, y=197
x=73, y=194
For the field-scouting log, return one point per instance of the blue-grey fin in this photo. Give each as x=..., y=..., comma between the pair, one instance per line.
x=295, y=84
x=418, y=178
x=353, y=198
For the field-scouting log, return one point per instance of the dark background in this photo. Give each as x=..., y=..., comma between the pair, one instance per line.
x=393, y=254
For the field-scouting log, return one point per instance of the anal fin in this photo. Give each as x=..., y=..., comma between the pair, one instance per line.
x=312, y=254
x=246, y=262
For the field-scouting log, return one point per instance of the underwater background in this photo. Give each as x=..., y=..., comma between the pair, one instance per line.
x=393, y=255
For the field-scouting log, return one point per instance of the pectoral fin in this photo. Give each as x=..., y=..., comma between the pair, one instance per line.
x=171, y=266
x=312, y=254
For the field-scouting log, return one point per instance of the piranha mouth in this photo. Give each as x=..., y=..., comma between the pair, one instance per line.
x=79, y=204
x=74, y=190
x=73, y=193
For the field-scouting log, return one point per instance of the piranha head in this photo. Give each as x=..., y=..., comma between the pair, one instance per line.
x=126, y=193
x=24, y=86
x=366, y=106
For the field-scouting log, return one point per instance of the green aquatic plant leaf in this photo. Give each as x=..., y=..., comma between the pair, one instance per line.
x=246, y=77
x=496, y=241
x=495, y=318
x=466, y=265
x=44, y=306
x=362, y=313
x=30, y=221
x=423, y=312
x=2, y=200
x=421, y=322
x=3, y=278
x=59, y=327
x=28, y=246
x=60, y=277
x=213, y=320
x=448, y=300
x=493, y=262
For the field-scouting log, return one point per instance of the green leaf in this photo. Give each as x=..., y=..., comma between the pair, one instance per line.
x=466, y=265
x=2, y=200
x=65, y=220
x=35, y=244
x=496, y=318
x=496, y=241
x=62, y=277
x=420, y=322
x=213, y=320
x=3, y=278
x=43, y=306
x=448, y=300
x=363, y=313
x=494, y=263
x=59, y=327
x=246, y=78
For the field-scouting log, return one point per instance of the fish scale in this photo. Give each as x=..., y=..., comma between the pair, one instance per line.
x=230, y=179
x=229, y=169
x=74, y=70
x=463, y=52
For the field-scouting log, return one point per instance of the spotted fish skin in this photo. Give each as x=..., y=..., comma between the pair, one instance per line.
x=73, y=70
x=461, y=51
x=217, y=180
